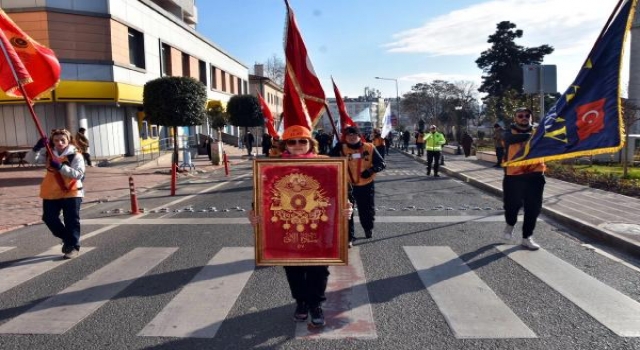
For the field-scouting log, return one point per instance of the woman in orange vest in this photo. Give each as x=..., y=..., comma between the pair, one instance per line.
x=61, y=189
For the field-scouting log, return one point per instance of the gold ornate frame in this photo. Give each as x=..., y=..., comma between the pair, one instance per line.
x=300, y=204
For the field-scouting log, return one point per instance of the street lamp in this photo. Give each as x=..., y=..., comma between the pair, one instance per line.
x=397, y=95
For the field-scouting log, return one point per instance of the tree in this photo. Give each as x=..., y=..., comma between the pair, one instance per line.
x=274, y=69
x=244, y=110
x=630, y=116
x=502, y=64
x=175, y=101
x=218, y=118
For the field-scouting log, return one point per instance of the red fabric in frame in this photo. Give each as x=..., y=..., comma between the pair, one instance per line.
x=300, y=213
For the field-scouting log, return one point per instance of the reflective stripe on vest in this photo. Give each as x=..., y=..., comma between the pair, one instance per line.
x=358, y=165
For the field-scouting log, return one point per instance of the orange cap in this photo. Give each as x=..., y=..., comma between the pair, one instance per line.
x=296, y=132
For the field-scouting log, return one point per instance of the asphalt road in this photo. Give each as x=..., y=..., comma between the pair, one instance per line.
x=435, y=276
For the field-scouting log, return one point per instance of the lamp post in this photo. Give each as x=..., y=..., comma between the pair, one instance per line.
x=397, y=95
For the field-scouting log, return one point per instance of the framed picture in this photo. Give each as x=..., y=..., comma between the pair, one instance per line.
x=300, y=204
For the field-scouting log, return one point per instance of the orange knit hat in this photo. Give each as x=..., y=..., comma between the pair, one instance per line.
x=296, y=132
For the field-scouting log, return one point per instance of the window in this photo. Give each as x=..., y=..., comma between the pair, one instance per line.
x=223, y=81
x=136, y=48
x=186, y=67
x=154, y=131
x=232, y=80
x=166, y=59
x=144, y=134
x=202, y=74
x=214, y=80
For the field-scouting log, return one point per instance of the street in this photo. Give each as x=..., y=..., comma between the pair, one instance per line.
x=434, y=276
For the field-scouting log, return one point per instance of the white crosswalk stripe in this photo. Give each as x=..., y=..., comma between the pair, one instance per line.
x=26, y=269
x=193, y=312
x=5, y=249
x=469, y=306
x=61, y=312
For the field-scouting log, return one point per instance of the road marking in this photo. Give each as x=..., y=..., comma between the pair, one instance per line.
x=28, y=268
x=137, y=217
x=64, y=310
x=469, y=306
x=202, y=305
x=614, y=310
x=5, y=249
x=611, y=257
x=347, y=309
x=243, y=220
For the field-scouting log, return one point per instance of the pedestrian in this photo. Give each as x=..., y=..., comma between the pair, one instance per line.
x=522, y=185
x=207, y=146
x=419, y=135
x=248, y=142
x=378, y=142
x=61, y=189
x=498, y=133
x=405, y=140
x=364, y=162
x=467, y=142
x=308, y=284
x=388, y=142
x=323, y=141
x=433, y=143
x=266, y=144
x=82, y=142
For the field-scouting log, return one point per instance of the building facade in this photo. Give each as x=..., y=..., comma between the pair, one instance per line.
x=271, y=92
x=108, y=50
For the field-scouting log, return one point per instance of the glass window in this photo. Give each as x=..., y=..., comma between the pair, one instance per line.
x=136, y=48
x=166, y=59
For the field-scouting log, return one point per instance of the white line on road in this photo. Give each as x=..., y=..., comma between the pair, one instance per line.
x=347, y=310
x=203, y=304
x=244, y=220
x=5, y=249
x=26, y=269
x=614, y=310
x=64, y=310
x=469, y=306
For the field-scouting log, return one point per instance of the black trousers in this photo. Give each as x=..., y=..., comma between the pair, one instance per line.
x=420, y=148
x=69, y=231
x=499, y=155
x=364, y=199
x=433, y=160
x=308, y=283
x=523, y=191
x=87, y=158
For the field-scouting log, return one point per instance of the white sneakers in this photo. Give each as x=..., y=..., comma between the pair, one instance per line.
x=526, y=242
x=508, y=233
x=530, y=244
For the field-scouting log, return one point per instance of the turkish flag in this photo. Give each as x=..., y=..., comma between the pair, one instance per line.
x=590, y=118
x=35, y=66
x=345, y=119
x=268, y=117
x=300, y=73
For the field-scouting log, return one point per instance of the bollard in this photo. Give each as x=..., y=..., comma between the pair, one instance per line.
x=134, y=197
x=226, y=163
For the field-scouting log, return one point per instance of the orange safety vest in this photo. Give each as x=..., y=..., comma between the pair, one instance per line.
x=378, y=141
x=511, y=152
x=359, y=160
x=50, y=189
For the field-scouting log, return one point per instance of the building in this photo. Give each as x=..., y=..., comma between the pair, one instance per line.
x=366, y=113
x=108, y=50
x=271, y=92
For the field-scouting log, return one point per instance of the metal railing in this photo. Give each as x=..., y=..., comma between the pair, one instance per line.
x=159, y=147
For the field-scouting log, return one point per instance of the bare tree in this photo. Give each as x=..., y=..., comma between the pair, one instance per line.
x=274, y=69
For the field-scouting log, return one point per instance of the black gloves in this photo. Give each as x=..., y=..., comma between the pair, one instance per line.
x=55, y=164
x=366, y=174
x=41, y=144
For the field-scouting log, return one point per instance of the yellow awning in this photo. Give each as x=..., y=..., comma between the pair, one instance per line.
x=85, y=91
x=4, y=99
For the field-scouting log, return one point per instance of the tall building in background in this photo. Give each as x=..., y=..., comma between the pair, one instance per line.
x=108, y=50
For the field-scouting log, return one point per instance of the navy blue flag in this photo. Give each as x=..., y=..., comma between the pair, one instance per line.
x=587, y=119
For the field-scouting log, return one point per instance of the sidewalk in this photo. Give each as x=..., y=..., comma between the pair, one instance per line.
x=605, y=216
x=19, y=186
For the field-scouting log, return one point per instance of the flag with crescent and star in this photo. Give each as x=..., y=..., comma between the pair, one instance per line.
x=587, y=119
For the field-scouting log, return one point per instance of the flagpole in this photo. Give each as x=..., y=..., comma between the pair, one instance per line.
x=333, y=124
x=59, y=178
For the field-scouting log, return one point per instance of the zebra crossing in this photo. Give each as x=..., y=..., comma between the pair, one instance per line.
x=469, y=306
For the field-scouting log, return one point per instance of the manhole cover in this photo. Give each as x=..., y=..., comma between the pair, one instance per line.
x=629, y=229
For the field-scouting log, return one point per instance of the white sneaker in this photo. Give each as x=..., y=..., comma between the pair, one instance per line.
x=530, y=244
x=508, y=233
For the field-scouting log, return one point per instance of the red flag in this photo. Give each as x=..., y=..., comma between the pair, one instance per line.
x=345, y=119
x=36, y=66
x=268, y=117
x=300, y=73
x=590, y=118
x=294, y=109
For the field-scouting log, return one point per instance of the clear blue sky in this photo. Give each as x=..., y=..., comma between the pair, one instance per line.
x=411, y=40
